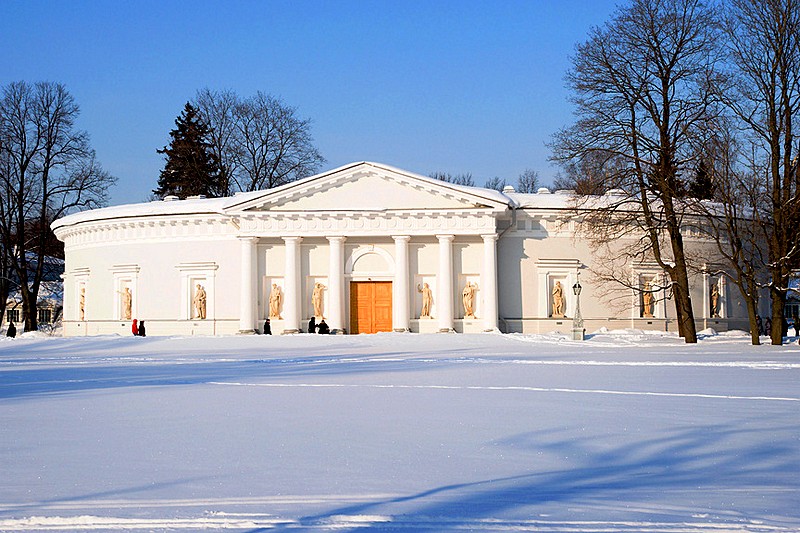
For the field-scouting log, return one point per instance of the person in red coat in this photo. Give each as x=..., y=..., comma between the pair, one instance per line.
x=135, y=327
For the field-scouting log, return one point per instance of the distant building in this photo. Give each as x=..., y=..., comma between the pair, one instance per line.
x=369, y=238
x=50, y=302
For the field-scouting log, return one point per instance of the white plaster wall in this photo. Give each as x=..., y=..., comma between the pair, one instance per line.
x=423, y=259
x=160, y=298
x=368, y=192
x=467, y=266
x=157, y=297
x=521, y=293
x=314, y=260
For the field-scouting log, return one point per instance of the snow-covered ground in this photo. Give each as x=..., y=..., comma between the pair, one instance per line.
x=626, y=431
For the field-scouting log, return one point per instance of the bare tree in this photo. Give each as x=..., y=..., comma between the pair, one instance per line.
x=643, y=92
x=732, y=219
x=218, y=109
x=587, y=175
x=7, y=279
x=456, y=179
x=48, y=170
x=764, y=41
x=260, y=141
x=496, y=183
x=528, y=181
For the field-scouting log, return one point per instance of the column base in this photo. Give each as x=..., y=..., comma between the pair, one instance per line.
x=401, y=330
x=341, y=331
x=246, y=332
x=289, y=331
x=446, y=330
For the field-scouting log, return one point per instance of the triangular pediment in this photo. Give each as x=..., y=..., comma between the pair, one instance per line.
x=369, y=187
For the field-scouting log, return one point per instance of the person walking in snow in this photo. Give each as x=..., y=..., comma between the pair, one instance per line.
x=267, y=327
x=12, y=330
x=135, y=327
x=142, y=332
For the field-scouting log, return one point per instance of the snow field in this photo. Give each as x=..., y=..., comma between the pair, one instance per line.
x=628, y=431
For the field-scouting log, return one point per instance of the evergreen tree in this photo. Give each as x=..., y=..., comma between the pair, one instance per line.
x=191, y=168
x=702, y=186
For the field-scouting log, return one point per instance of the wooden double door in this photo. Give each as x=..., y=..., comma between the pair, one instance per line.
x=370, y=306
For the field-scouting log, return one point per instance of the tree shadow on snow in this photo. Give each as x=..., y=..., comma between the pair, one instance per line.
x=712, y=461
x=65, y=377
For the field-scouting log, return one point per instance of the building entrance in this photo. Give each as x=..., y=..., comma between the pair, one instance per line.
x=370, y=306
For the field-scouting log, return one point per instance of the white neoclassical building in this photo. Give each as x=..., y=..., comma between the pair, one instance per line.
x=385, y=249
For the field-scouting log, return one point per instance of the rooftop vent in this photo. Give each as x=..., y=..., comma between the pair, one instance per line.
x=509, y=188
x=543, y=190
x=197, y=197
x=171, y=198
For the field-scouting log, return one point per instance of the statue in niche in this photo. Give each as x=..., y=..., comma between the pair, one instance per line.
x=199, y=302
x=558, y=300
x=648, y=302
x=316, y=299
x=127, y=303
x=82, y=304
x=468, y=299
x=427, y=300
x=275, y=301
x=715, y=301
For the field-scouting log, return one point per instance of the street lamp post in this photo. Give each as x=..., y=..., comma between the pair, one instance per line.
x=577, y=323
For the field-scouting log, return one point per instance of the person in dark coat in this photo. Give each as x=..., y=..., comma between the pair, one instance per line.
x=12, y=330
x=312, y=325
x=135, y=327
x=267, y=327
x=768, y=327
x=323, y=328
x=759, y=325
x=142, y=332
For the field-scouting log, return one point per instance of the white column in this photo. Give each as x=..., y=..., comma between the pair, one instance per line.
x=489, y=282
x=291, y=281
x=247, y=303
x=336, y=284
x=444, y=305
x=401, y=304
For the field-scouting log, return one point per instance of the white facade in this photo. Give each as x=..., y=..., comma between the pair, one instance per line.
x=363, y=227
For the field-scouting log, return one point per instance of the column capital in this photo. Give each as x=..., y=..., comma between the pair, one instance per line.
x=401, y=238
x=490, y=237
x=297, y=240
x=446, y=238
x=336, y=238
x=250, y=239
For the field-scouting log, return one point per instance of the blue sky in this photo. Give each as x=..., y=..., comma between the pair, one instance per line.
x=452, y=86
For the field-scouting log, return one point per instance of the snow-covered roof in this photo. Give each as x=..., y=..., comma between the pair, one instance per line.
x=220, y=206
x=543, y=200
x=198, y=206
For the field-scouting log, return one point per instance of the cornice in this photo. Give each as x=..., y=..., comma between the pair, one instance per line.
x=460, y=222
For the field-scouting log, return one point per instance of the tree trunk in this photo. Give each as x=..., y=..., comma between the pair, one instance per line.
x=680, y=288
x=29, y=309
x=683, y=303
x=778, y=302
x=752, y=312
